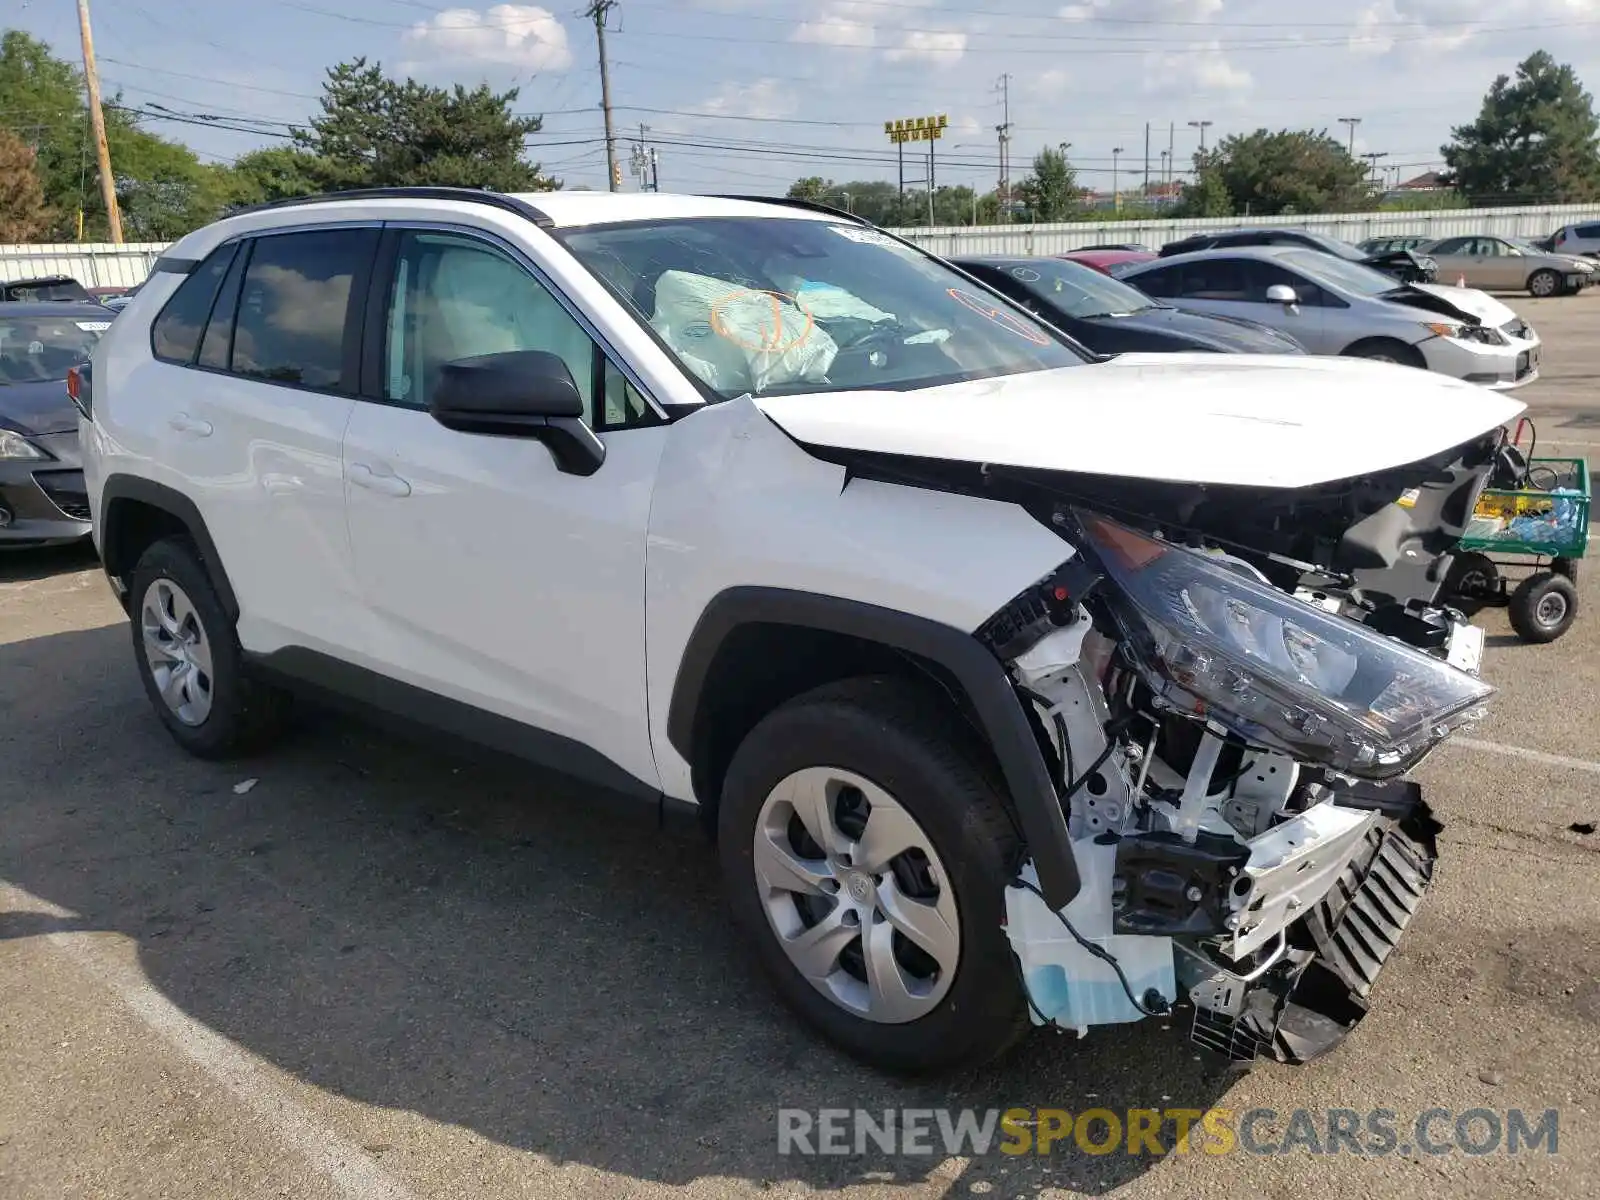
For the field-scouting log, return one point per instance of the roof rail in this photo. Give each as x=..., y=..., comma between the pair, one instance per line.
x=499, y=200
x=793, y=202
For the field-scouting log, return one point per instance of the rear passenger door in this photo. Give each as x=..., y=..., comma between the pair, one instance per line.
x=490, y=576
x=254, y=424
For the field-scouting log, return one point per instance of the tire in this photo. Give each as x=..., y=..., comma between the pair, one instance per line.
x=179, y=627
x=1544, y=283
x=1387, y=350
x=1567, y=567
x=1473, y=581
x=1543, y=607
x=912, y=754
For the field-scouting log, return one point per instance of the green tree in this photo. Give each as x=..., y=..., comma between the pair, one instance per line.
x=1265, y=173
x=380, y=132
x=162, y=187
x=1207, y=195
x=1050, y=192
x=273, y=173
x=813, y=188
x=1534, y=139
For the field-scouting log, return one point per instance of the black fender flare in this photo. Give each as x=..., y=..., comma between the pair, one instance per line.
x=998, y=708
x=176, y=505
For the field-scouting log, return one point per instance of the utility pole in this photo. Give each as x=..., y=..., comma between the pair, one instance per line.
x=1202, y=126
x=1352, y=122
x=1372, y=156
x=596, y=12
x=1004, y=130
x=1147, y=161
x=1116, y=193
x=97, y=121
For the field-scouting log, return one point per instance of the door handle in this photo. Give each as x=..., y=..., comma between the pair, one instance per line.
x=184, y=423
x=389, y=485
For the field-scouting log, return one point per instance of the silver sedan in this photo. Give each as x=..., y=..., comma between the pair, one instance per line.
x=1331, y=306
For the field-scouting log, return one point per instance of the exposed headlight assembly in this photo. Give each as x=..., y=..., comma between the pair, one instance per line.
x=1467, y=333
x=1276, y=671
x=14, y=446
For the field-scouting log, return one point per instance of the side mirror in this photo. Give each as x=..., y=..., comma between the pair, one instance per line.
x=1282, y=293
x=519, y=393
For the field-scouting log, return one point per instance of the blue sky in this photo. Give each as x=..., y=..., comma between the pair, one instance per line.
x=751, y=94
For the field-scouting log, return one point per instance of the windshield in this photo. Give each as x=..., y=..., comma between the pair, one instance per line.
x=1349, y=276
x=42, y=349
x=1338, y=248
x=1076, y=290
x=767, y=305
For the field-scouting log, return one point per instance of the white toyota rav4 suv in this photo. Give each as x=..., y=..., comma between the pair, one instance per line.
x=1017, y=686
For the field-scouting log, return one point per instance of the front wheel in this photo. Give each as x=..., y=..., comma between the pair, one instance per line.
x=1543, y=284
x=1543, y=607
x=865, y=852
x=1387, y=350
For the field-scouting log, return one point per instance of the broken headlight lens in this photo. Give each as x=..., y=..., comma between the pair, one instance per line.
x=1273, y=669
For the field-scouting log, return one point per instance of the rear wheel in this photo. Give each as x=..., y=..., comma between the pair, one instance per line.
x=1543, y=607
x=866, y=851
x=1387, y=350
x=1544, y=283
x=1567, y=567
x=190, y=662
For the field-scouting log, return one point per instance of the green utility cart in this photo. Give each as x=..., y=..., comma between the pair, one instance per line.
x=1546, y=520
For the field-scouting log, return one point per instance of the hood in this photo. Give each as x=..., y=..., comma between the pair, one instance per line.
x=1248, y=420
x=1220, y=333
x=36, y=409
x=1469, y=302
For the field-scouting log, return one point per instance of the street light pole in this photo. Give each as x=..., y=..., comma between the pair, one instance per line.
x=1202, y=126
x=1352, y=122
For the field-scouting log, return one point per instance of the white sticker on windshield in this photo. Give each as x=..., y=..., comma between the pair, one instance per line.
x=93, y=326
x=870, y=237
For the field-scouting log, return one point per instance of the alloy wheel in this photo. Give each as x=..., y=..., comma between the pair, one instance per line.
x=857, y=895
x=177, y=651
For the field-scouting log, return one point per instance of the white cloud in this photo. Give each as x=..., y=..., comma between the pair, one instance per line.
x=1141, y=10
x=516, y=35
x=946, y=47
x=840, y=25
x=1202, y=69
x=765, y=98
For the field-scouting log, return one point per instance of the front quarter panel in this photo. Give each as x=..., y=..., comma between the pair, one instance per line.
x=738, y=503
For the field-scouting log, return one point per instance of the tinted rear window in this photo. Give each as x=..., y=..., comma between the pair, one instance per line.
x=294, y=307
x=175, y=336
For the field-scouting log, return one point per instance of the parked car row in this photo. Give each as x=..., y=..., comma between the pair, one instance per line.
x=1272, y=300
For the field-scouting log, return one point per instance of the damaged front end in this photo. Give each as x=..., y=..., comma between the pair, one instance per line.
x=1229, y=762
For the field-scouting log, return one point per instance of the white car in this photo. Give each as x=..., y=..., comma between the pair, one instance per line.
x=754, y=508
x=1332, y=306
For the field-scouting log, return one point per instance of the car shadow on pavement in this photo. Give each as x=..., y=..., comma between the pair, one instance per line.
x=427, y=929
x=25, y=564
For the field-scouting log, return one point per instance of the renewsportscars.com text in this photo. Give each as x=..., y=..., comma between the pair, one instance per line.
x=1158, y=1131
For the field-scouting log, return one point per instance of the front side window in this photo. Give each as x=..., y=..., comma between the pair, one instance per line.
x=458, y=297
x=44, y=349
x=294, y=307
x=768, y=305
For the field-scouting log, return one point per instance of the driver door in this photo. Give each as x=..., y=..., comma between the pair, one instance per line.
x=489, y=575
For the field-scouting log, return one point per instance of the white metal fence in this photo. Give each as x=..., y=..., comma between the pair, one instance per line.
x=96, y=265
x=1531, y=222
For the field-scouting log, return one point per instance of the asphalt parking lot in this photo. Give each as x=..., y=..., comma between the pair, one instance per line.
x=364, y=967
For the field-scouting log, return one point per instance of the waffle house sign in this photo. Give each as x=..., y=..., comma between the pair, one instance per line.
x=917, y=129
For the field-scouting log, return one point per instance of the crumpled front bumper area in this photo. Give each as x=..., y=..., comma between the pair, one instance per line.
x=1317, y=989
